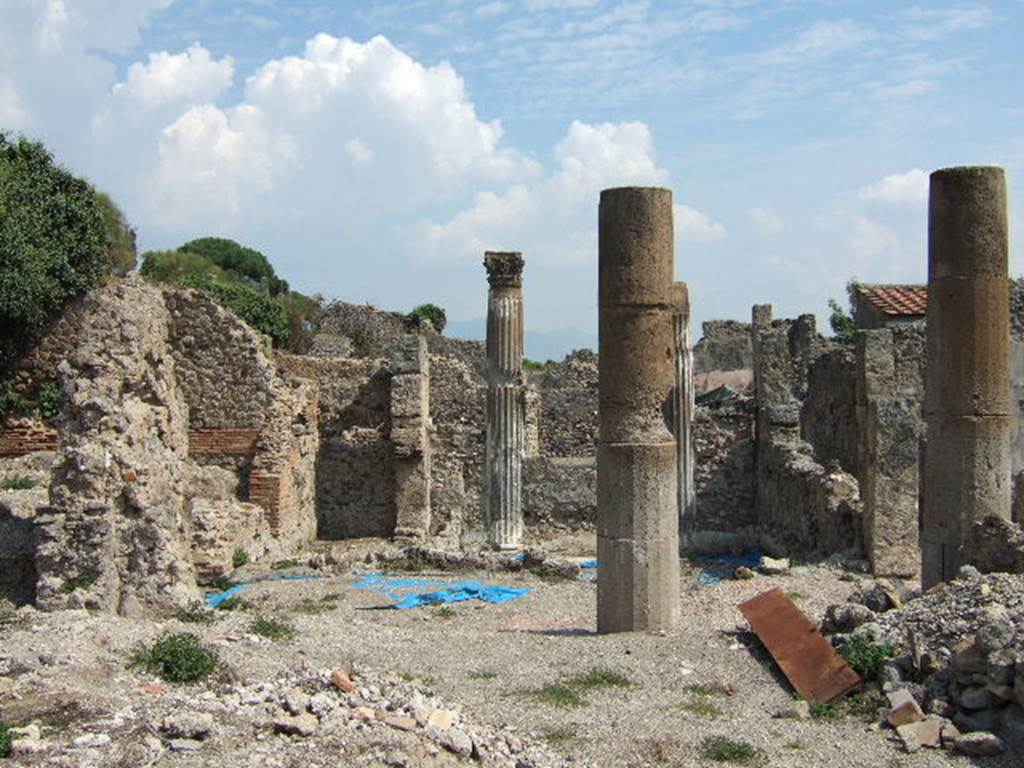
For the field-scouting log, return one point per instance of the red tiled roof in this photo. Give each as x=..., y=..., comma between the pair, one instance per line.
x=895, y=300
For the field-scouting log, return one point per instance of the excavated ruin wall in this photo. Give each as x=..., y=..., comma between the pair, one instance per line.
x=828, y=415
x=724, y=346
x=116, y=536
x=723, y=437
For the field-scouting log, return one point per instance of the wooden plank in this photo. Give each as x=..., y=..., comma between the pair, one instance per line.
x=808, y=660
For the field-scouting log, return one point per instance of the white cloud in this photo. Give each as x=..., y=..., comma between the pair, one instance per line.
x=696, y=227
x=910, y=188
x=766, y=221
x=496, y=8
x=559, y=5
x=187, y=77
x=359, y=151
x=871, y=241
x=12, y=111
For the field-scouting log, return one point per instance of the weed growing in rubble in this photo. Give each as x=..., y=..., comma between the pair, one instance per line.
x=81, y=581
x=239, y=558
x=272, y=629
x=6, y=738
x=178, y=658
x=866, y=657
x=560, y=695
x=18, y=483
x=598, y=677
x=281, y=565
x=722, y=749
x=481, y=674
x=701, y=706
x=559, y=735
x=196, y=613
x=446, y=612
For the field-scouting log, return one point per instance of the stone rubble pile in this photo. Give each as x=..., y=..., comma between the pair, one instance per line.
x=956, y=678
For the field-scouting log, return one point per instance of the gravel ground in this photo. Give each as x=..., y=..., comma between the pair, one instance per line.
x=488, y=661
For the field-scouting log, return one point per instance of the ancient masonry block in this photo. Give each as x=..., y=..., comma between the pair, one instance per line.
x=683, y=409
x=410, y=435
x=890, y=432
x=506, y=427
x=638, y=520
x=967, y=408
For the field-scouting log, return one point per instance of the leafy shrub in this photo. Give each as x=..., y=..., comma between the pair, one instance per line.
x=13, y=404
x=119, y=237
x=49, y=401
x=196, y=613
x=249, y=265
x=81, y=581
x=239, y=558
x=178, y=658
x=535, y=365
x=722, y=749
x=6, y=739
x=18, y=483
x=866, y=657
x=431, y=312
x=272, y=629
x=52, y=242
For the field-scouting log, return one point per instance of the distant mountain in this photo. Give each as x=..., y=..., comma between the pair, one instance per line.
x=540, y=345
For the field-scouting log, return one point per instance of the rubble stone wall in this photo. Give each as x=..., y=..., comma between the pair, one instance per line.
x=828, y=415
x=723, y=437
x=19, y=436
x=724, y=346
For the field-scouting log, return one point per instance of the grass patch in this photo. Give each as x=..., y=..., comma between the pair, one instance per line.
x=239, y=558
x=332, y=597
x=422, y=679
x=560, y=695
x=722, y=749
x=701, y=706
x=481, y=674
x=18, y=483
x=862, y=705
x=796, y=596
x=235, y=603
x=178, y=658
x=598, y=677
x=6, y=739
x=223, y=583
x=196, y=613
x=795, y=745
x=445, y=612
x=272, y=629
x=281, y=565
x=866, y=657
x=559, y=735
x=81, y=581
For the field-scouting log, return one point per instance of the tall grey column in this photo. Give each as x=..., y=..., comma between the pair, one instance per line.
x=637, y=504
x=967, y=407
x=683, y=414
x=506, y=424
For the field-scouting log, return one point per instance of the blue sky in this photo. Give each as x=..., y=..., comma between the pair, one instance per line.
x=374, y=150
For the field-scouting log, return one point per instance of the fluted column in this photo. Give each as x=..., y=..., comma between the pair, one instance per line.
x=506, y=423
x=637, y=502
x=684, y=406
x=967, y=397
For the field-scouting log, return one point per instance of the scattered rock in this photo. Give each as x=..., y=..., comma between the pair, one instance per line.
x=185, y=745
x=774, y=566
x=187, y=725
x=302, y=725
x=343, y=680
x=442, y=718
x=743, y=573
x=904, y=709
x=980, y=744
x=91, y=741
x=453, y=739
x=798, y=710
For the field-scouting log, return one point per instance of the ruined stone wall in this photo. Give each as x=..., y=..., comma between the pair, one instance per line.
x=568, y=406
x=828, y=414
x=723, y=436
x=724, y=346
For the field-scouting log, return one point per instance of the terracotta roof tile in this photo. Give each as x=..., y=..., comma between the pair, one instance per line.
x=896, y=300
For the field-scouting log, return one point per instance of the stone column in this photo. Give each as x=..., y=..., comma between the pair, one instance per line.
x=637, y=503
x=506, y=427
x=410, y=435
x=967, y=408
x=683, y=408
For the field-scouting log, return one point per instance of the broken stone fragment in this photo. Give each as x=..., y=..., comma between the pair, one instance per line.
x=774, y=566
x=343, y=680
x=925, y=733
x=399, y=722
x=904, y=708
x=442, y=718
x=187, y=725
x=453, y=739
x=185, y=745
x=980, y=744
x=798, y=710
x=303, y=725
x=976, y=698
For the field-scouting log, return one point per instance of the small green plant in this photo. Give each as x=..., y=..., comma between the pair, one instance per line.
x=18, y=483
x=446, y=612
x=49, y=401
x=312, y=607
x=702, y=706
x=411, y=678
x=234, y=603
x=223, y=583
x=272, y=629
x=822, y=711
x=178, y=658
x=281, y=565
x=239, y=558
x=560, y=695
x=6, y=739
x=81, y=581
x=598, y=677
x=12, y=404
x=866, y=657
x=196, y=613
x=796, y=596
x=481, y=674
x=536, y=365
x=333, y=597
x=559, y=735
x=722, y=749
x=411, y=560
x=796, y=745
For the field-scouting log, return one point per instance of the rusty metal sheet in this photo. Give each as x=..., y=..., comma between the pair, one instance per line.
x=809, y=661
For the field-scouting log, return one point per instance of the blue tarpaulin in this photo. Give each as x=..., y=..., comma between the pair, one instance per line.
x=588, y=564
x=412, y=592
x=718, y=567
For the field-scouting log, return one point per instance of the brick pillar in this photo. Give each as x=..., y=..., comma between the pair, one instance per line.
x=410, y=435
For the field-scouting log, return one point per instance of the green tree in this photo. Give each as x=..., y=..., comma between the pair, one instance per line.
x=844, y=328
x=249, y=264
x=179, y=268
x=52, y=242
x=120, y=237
x=304, y=314
x=435, y=314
